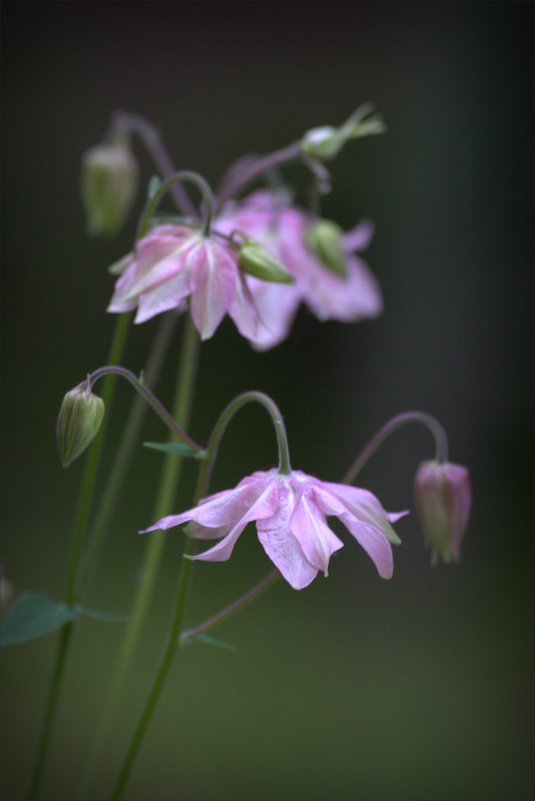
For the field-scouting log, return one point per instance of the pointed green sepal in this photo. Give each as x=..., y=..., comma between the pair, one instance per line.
x=255, y=260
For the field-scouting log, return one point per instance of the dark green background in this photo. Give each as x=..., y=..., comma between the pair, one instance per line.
x=419, y=688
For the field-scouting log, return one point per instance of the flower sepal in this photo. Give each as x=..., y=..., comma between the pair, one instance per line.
x=255, y=260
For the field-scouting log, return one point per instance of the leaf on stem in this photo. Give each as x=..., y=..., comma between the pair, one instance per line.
x=175, y=447
x=34, y=614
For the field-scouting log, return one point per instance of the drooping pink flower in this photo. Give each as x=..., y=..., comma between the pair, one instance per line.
x=174, y=264
x=444, y=500
x=282, y=229
x=290, y=513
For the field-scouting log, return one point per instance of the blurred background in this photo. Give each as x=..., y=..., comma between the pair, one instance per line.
x=356, y=688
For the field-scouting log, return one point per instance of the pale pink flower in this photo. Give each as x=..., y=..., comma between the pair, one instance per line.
x=444, y=500
x=282, y=230
x=174, y=264
x=290, y=513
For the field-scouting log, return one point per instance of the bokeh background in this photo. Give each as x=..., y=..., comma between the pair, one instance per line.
x=418, y=688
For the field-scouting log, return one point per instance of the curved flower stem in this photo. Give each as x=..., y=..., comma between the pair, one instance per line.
x=79, y=533
x=236, y=606
x=238, y=179
x=173, y=641
x=427, y=420
x=168, y=485
x=226, y=416
x=178, y=178
x=129, y=440
x=123, y=122
x=151, y=399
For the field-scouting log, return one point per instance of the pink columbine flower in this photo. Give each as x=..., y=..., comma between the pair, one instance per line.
x=290, y=513
x=282, y=229
x=174, y=264
x=444, y=500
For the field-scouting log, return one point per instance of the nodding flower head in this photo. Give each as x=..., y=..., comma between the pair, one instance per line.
x=328, y=275
x=443, y=499
x=290, y=513
x=174, y=265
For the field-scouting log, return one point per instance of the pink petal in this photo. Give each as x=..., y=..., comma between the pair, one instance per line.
x=215, y=287
x=264, y=506
x=316, y=539
x=282, y=547
x=277, y=306
x=221, y=511
x=359, y=237
x=163, y=297
x=374, y=543
x=174, y=262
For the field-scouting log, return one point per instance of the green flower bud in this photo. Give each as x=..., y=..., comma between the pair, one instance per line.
x=325, y=143
x=325, y=241
x=109, y=184
x=79, y=420
x=255, y=260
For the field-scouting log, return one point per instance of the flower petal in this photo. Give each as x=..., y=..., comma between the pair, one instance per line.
x=282, y=547
x=374, y=543
x=216, y=279
x=163, y=297
x=264, y=506
x=317, y=540
x=221, y=511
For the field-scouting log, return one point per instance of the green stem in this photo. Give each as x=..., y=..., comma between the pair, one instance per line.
x=129, y=441
x=237, y=179
x=122, y=121
x=79, y=533
x=226, y=416
x=173, y=642
x=178, y=177
x=151, y=399
x=168, y=485
x=230, y=610
x=427, y=420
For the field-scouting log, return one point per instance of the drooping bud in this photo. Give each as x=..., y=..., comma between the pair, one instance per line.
x=109, y=184
x=443, y=499
x=325, y=241
x=79, y=420
x=326, y=142
x=256, y=260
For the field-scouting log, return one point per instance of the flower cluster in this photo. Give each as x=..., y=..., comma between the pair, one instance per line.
x=174, y=264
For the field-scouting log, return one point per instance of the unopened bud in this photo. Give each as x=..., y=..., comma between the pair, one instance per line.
x=255, y=260
x=443, y=499
x=325, y=241
x=109, y=183
x=78, y=423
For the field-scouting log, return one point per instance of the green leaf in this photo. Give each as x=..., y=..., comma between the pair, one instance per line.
x=97, y=614
x=175, y=447
x=32, y=615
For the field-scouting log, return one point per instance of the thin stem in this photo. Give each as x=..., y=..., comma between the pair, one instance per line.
x=427, y=420
x=129, y=441
x=124, y=122
x=237, y=179
x=178, y=178
x=151, y=399
x=79, y=533
x=226, y=416
x=185, y=385
x=186, y=569
x=236, y=606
